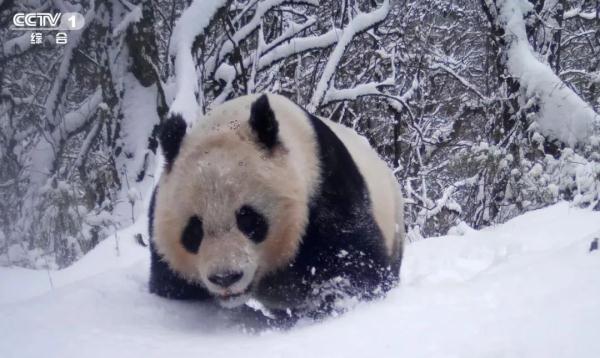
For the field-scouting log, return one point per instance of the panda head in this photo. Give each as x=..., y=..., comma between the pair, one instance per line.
x=232, y=202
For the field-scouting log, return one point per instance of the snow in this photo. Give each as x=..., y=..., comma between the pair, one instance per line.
x=563, y=115
x=16, y=45
x=526, y=288
x=461, y=79
x=298, y=45
x=134, y=16
x=43, y=155
x=64, y=70
x=134, y=136
x=192, y=22
x=587, y=15
x=247, y=29
x=363, y=89
x=358, y=24
x=225, y=73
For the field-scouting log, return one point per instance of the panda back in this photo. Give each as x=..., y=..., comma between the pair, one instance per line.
x=383, y=189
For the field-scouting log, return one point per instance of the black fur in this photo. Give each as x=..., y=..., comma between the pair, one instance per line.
x=263, y=122
x=252, y=223
x=342, y=238
x=192, y=235
x=163, y=281
x=170, y=136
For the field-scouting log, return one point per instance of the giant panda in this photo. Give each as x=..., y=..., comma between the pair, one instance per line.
x=262, y=200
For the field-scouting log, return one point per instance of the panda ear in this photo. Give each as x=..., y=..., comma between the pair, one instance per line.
x=170, y=136
x=263, y=122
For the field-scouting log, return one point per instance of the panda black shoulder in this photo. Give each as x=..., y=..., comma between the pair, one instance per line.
x=339, y=173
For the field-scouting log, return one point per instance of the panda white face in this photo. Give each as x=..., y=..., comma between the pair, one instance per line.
x=229, y=209
x=219, y=216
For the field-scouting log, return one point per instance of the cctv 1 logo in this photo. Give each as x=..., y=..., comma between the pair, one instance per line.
x=48, y=21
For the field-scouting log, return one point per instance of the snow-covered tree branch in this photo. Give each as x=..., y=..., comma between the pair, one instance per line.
x=563, y=114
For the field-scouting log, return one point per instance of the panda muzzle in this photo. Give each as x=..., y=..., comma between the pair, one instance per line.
x=225, y=279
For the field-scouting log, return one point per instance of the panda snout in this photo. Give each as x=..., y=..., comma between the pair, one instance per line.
x=225, y=279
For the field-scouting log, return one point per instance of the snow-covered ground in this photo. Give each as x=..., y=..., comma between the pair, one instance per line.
x=528, y=288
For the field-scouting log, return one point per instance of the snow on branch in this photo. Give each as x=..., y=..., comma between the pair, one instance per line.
x=16, y=45
x=266, y=50
x=400, y=102
x=298, y=45
x=360, y=90
x=460, y=79
x=60, y=80
x=578, y=12
x=563, y=114
x=133, y=16
x=193, y=21
x=262, y=8
x=74, y=120
x=446, y=201
x=363, y=89
x=44, y=155
x=358, y=24
x=293, y=29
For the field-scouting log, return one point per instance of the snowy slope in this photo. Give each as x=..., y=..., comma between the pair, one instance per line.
x=528, y=288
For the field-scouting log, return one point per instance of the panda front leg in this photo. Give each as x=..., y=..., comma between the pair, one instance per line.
x=165, y=283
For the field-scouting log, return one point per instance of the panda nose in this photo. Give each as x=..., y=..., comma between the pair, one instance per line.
x=225, y=279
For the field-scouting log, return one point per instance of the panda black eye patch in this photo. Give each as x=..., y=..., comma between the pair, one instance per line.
x=251, y=223
x=192, y=235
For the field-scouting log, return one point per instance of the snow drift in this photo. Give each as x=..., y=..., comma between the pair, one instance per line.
x=527, y=288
